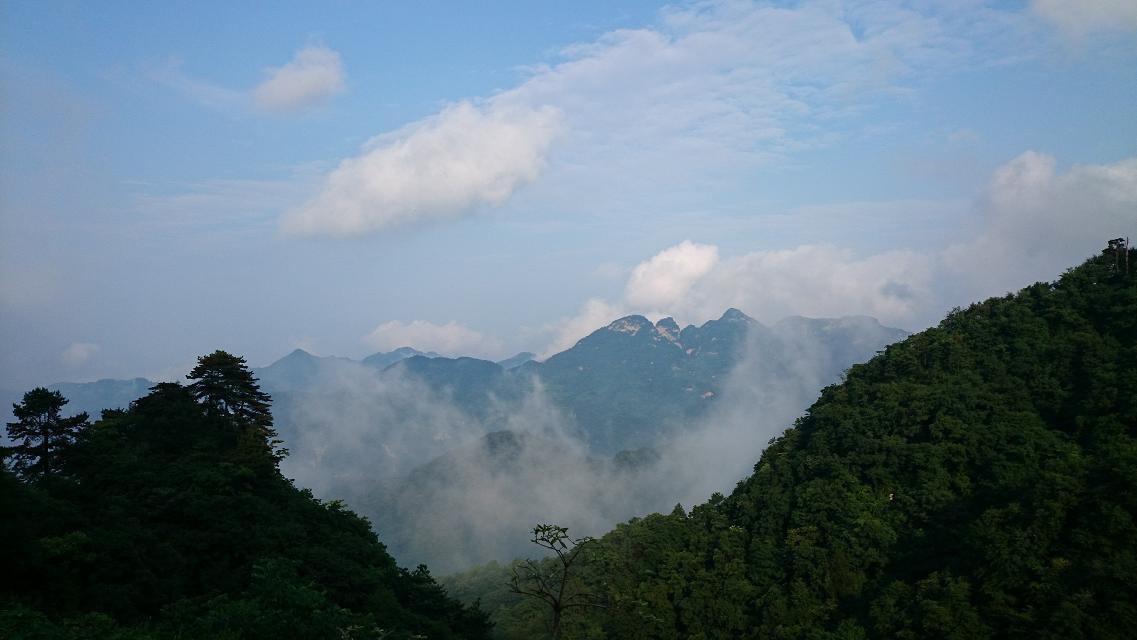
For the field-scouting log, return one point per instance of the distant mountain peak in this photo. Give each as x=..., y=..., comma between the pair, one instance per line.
x=382, y=360
x=668, y=329
x=517, y=360
x=294, y=358
x=734, y=315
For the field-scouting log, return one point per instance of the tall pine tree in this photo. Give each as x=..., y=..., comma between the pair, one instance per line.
x=223, y=384
x=41, y=434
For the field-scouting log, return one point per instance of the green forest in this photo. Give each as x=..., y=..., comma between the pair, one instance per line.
x=172, y=520
x=977, y=480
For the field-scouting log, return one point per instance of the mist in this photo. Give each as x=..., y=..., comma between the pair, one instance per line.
x=451, y=484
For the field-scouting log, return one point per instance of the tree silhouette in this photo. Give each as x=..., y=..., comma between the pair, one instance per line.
x=41, y=433
x=228, y=390
x=550, y=583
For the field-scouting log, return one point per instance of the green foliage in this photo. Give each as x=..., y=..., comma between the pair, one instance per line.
x=977, y=480
x=171, y=520
x=41, y=433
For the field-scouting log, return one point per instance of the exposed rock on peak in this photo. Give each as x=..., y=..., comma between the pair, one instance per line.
x=668, y=329
x=629, y=324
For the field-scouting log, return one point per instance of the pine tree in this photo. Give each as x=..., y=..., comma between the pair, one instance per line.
x=228, y=390
x=41, y=434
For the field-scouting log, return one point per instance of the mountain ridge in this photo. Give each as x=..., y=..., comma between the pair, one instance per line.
x=975, y=480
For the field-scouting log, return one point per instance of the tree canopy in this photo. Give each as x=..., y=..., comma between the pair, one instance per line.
x=41, y=433
x=226, y=388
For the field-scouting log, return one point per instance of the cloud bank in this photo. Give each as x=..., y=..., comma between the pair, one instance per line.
x=1030, y=222
x=450, y=338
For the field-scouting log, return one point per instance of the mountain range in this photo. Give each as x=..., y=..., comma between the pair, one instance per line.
x=596, y=430
x=621, y=385
x=608, y=429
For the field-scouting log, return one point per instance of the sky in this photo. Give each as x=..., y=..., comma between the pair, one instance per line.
x=486, y=178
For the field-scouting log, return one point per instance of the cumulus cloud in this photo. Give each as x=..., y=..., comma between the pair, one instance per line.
x=313, y=75
x=666, y=278
x=815, y=281
x=450, y=338
x=467, y=155
x=78, y=353
x=1079, y=19
x=1035, y=221
x=1029, y=223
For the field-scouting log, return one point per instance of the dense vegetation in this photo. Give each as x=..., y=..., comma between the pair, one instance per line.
x=976, y=480
x=172, y=520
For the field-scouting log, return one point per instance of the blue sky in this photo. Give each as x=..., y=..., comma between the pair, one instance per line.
x=351, y=177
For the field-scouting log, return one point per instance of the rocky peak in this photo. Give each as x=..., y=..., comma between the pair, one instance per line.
x=734, y=315
x=668, y=329
x=629, y=324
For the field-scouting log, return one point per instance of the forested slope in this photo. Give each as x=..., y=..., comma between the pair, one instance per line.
x=171, y=520
x=978, y=479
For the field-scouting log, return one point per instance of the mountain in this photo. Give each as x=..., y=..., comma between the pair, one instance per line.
x=628, y=386
x=977, y=480
x=302, y=371
x=89, y=397
x=470, y=383
x=633, y=381
x=517, y=360
x=630, y=383
x=382, y=360
x=298, y=371
x=649, y=399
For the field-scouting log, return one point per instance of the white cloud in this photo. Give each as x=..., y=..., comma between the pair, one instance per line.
x=1084, y=17
x=815, y=281
x=449, y=339
x=710, y=92
x=594, y=314
x=1036, y=222
x=78, y=353
x=313, y=75
x=465, y=156
x=1031, y=222
x=665, y=279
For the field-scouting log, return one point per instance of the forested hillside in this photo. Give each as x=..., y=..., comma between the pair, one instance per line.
x=978, y=479
x=172, y=520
